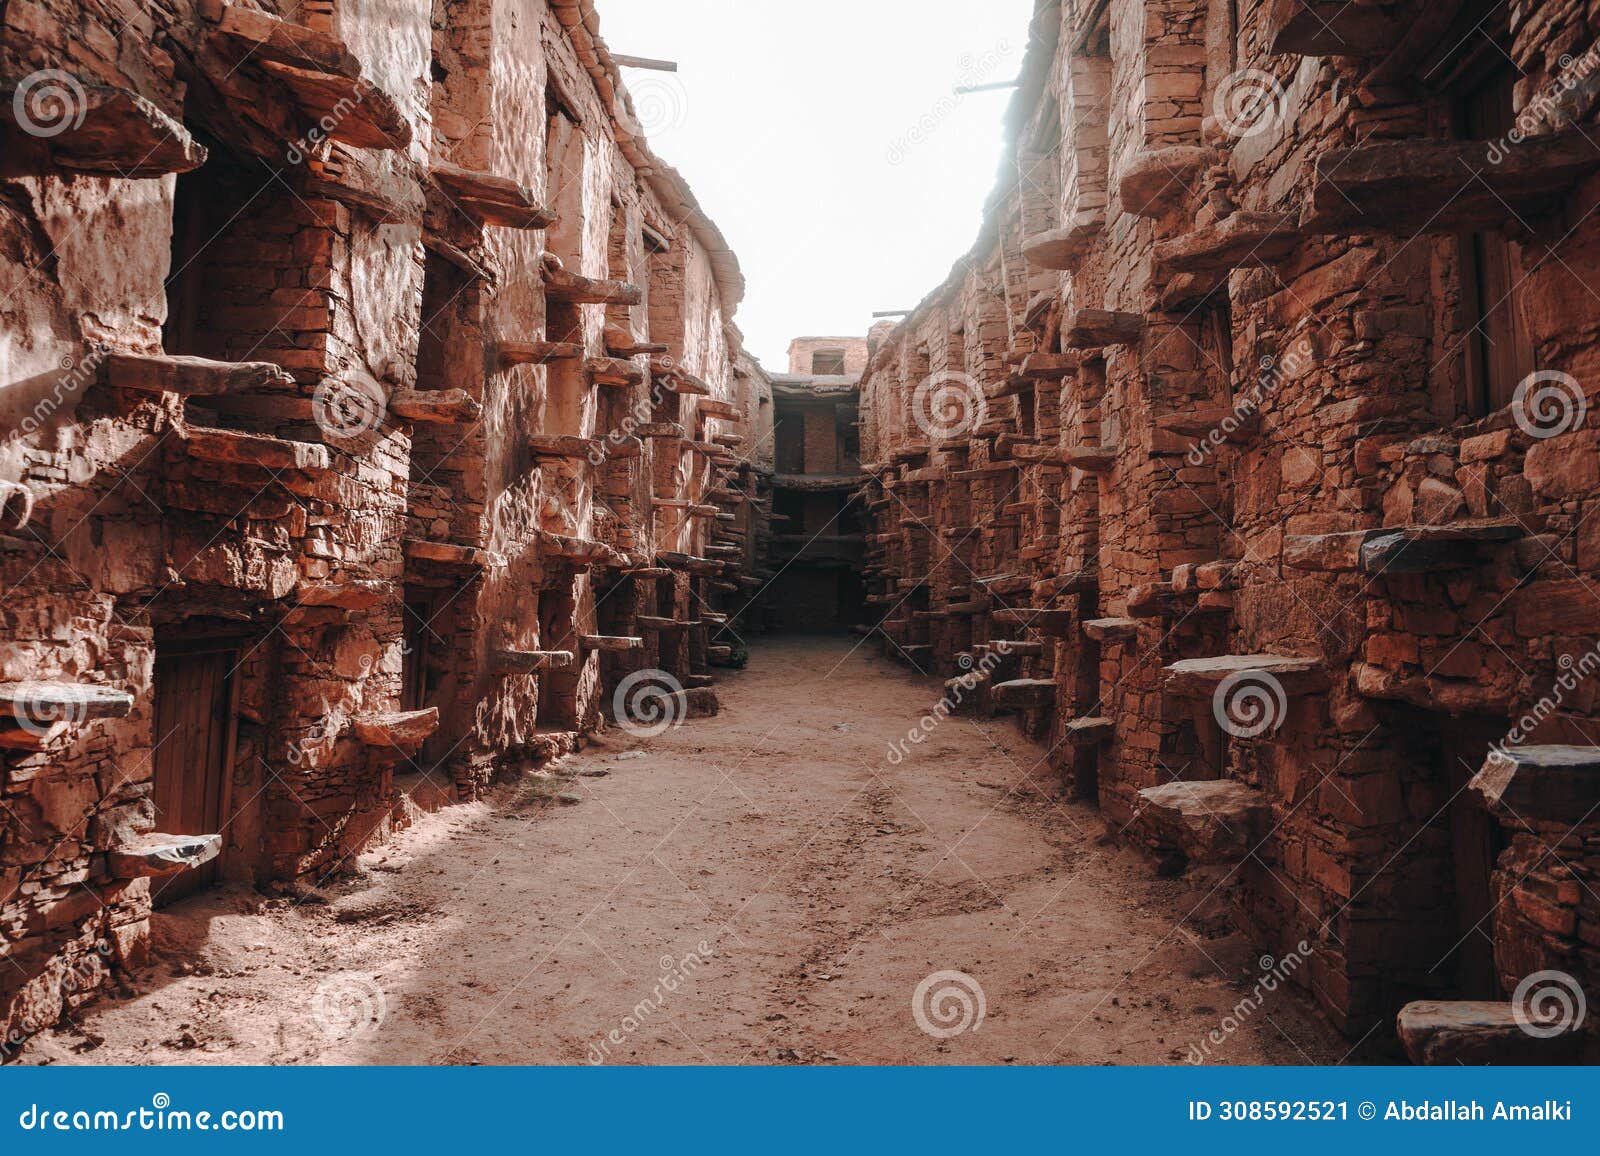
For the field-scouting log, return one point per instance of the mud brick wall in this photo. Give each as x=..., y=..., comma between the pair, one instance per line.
x=1339, y=350
x=360, y=567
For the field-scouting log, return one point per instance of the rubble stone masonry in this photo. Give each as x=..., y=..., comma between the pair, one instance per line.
x=1254, y=424
x=371, y=408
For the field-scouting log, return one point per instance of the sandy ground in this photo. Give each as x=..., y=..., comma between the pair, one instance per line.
x=763, y=887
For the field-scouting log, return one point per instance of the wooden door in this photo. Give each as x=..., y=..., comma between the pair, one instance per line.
x=1475, y=843
x=193, y=735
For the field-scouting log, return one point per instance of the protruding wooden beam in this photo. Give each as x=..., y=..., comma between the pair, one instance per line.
x=436, y=406
x=402, y=731
x=1233, y=242
x=492, y=200
x=564, y=285
x=1098, y=328
x=191, y=376
x=1156, y=181
x=564, y=446
x=156, y=854
x=507, y=662
x=510, y=353
x=1064, y=248
x=621, y=343
x=613, y=644
x=53, y=123
x=1333, y=27
x=613, y=372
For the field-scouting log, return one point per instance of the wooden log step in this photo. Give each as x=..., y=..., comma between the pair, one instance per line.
x=1050, y=623
x=1400, y=549
x=562, y=285
x=1200, y=677
x=581, y=551
x=1333, y=27
x=695, y=681
x=1012, y=649
x=1099, y=328
x=1445, y=186
x=565, y=447
x=96, y=128
x=702, y=567
x=44, y=702
x=510, y=353
x=191, y=376
x=1090, y=459
x=1210, y=823
x=657, y=430
x=1112, y=629
x=1452, y=1033
x=1025, y=694
x=506, y=662
x=719, y=653
x=229, y=447
x=1546, y=784
x=352, y=595
x=404, y=731
x=1064, y=248
x=721, y=410
x=452, y=555
x=321, y=74
x=1236, y=241
x=611, y=643
x=1089, y=731
x=1050, y=366
x=613, y=372
x=650, y=573
x=621, y=343
x=491, y=200
x=1149, y=599
x=156, y=854
x=435, y=406
x=1155, y=181
x=651, y=624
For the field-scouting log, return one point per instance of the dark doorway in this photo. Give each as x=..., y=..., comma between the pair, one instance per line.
x=1476, y=841
x=194, y=743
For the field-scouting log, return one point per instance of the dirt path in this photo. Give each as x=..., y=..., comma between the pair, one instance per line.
x=760, y=887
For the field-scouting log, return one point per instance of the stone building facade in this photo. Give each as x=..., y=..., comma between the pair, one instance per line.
x=817, y=546
x=1253, y=423
x=372, y=410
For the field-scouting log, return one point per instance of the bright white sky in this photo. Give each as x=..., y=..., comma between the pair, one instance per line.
x=788, y=120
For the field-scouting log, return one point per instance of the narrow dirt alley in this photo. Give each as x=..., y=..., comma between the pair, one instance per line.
x=756, y=888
